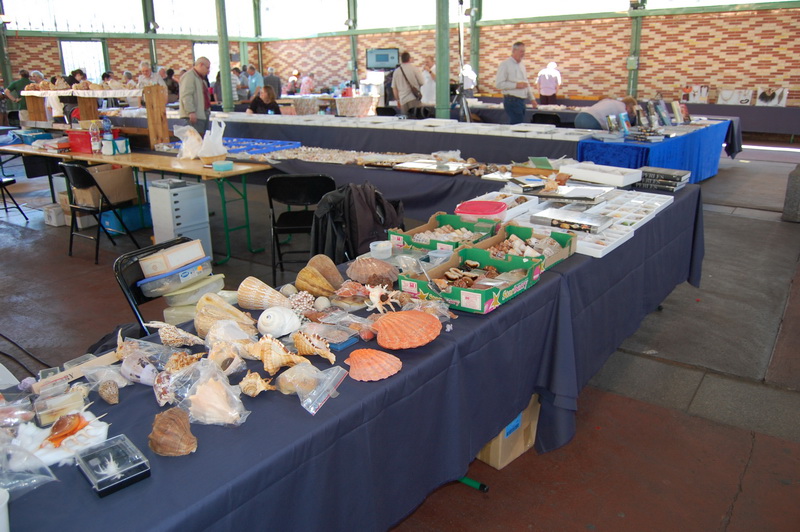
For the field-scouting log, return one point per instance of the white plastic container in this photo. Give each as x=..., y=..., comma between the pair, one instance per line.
x=169, y=282
x=192, y=293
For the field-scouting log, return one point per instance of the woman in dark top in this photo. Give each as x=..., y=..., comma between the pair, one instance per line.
x=264, y=103
x=173, y=89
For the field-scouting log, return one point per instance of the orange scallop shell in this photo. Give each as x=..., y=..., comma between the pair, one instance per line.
x=372, y=365
x=406, y=329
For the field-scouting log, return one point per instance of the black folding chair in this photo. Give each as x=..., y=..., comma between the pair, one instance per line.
x=302, y=190
x=6, y=182
x=128, y=272
x=79, y=178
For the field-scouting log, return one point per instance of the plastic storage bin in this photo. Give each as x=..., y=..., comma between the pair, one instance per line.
x=470, y=211
x=169, y=282
x=80, y=141
x=191, y=294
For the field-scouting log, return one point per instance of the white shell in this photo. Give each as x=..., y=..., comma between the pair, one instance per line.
x=288, y=289
x=278, y=321
x=321, y=303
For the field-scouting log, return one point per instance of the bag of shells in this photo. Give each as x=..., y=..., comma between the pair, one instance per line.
x=312, y=386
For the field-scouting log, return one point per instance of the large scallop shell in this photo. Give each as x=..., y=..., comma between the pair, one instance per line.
x=252, y=384
x=324, y=265
x=406, y=329
x=313, y=282
x=255, y=294
x=368, y=270
x=212, y=308
x=171, y=434
x=274, y=355
x=312, y=344
x=278, y=321
x=372, y=365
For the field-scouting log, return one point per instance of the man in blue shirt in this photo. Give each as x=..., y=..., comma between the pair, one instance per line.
x=254, y=81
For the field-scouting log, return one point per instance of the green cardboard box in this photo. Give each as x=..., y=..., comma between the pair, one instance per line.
x=568, y=241
x=406, y=238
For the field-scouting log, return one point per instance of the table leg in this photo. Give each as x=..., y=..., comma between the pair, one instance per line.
x=52, y=189
x=242, y=193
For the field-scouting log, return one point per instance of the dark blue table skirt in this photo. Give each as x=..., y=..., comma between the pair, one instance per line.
x=698, y=151
x=370, y=456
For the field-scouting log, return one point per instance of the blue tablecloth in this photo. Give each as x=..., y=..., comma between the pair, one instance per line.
x=698, y=151
x=371, y=455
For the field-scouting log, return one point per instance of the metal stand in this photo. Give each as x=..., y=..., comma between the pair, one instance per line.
x=460, y=99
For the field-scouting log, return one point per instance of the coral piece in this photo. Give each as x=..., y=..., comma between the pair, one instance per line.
x=312, y=344
x=180, y=360
x=372, y=365
x=274, y=355
x=172, y=434
x=278, y=321
x=252, y=384
x=212, y=308
x=368, y=270
x=255, y=294
x=380, y=298
x=109, y=391
x=173, y=336
x=352, y=288
x=313, y=282
x=406, y=329
x=325, y=266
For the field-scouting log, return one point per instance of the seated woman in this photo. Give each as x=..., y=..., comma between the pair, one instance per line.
x=594, y=117
x=264, y=103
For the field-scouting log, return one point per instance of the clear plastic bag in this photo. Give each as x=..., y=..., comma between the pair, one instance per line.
x=21, y=471
x=437, y=307
x=230, y=332
x=157, y=354
x=212, y=141
x=212, y=400
x=98, y=374
x=137, y=368
x=312, y=386
x=191, y=142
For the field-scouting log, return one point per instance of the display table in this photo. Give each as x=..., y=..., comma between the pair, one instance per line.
x=370, y=456
x=698, y=151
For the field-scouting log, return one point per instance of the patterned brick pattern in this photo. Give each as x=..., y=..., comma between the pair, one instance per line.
x=175, y=54
x=742, y=50
x=126, y=54
x=326, y=57
x=34, y=53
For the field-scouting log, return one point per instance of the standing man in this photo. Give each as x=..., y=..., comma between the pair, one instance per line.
x=16, y=101
x=548, y=82
x=271, y=80
x=512, y=80
x=195, y=103
x=242, y=92
x=254, y=81
x=406, y=83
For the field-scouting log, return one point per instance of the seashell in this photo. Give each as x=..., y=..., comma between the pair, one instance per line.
x=278, y=321
x=274, y=355
x=255, y=294
x=351, y=288
x=406, y=329
x=180, y=360
x=368, y=270
x=252, y=384
x=172, y=434
x=312, y=344
x=64, y=427
x=372, y=365
x=298, y=379
x=325, y=266
x=288, y=289
x=214, y=403
x=138, y=369
x=212, y=308
x=321, y=303
x=109, y=391
x=313, y=282
x=173, y=336
x=162, y=387
x=226, y=356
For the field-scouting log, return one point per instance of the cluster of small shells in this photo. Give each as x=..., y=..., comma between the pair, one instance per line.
x=532, y=247
x=513, y=200
x=445, y=233
x=314, y=155
x=465, y=277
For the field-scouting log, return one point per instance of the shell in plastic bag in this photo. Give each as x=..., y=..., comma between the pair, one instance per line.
x=215, y=402
x=255, y=294
x=311, y=344
x=212, y=308
x=274, y=355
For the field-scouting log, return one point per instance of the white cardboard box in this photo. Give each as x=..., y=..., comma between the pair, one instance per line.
x=606, y=175
x=53, y=215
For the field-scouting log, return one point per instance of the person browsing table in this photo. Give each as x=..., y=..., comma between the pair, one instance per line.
x=264, y=102
x=512, y=80
x=194, y=102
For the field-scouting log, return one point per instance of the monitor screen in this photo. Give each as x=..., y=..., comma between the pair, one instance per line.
x=383, y=58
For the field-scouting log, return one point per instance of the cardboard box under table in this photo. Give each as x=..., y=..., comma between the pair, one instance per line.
x=117, y=183
x=477, y=300
x=406, y=238
x=516, y=438
x=568, y=242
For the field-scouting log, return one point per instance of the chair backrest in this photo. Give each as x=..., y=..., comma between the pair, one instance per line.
x=78, y=176
x=546, y=118
x=128, y=272
x=297, y=189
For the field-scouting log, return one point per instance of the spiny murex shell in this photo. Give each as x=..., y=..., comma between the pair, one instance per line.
x=312, y=344
x=180, y=360
x=171, y=434
x=212, y=308
x=406, y=329
x=278, y=321
x=313, y=282
x=274, y=355
x=255, y=294
x=252, y=384
x=109, y=391
x=172, y=336
x=368, y=270
x=372, y=365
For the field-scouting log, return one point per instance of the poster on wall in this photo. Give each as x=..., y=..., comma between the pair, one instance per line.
x=734, y=97
x=767, y=96
x=694, y=94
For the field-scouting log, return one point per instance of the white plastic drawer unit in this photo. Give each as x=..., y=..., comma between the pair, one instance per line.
x=173, y=208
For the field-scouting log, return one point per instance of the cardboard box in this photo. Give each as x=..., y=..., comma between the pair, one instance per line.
x=53, y=215
x=516, y=438
x=172, y=258
x=479, y=301
x=116, y=182
x=568, y=241
x=406, y=238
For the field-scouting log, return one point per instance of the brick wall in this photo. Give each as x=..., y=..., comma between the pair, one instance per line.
x=326, y=57
x=175, y=54
x=34, y=53
x=126, y=54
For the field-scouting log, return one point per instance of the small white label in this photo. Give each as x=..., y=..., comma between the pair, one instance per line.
x=470, y=300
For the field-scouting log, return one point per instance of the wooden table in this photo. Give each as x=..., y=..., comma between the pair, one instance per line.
x=164, y=163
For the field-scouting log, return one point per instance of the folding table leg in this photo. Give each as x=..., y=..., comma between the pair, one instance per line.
x=242, y=193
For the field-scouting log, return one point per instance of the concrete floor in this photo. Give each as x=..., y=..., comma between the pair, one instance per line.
x=691, y=425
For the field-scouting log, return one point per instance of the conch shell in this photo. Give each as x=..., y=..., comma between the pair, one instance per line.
x=371, y=271
x=212, y=307
x=255, y=294
x=173, y=336
x=325, y=266
x=226, y=356
x=214, y=403
x=313, y=282
x=171, y=434
x=274, y=355
x=372, y=365
x=252, y=384
x=278, y=321
x=311, y=344
x=406, y=329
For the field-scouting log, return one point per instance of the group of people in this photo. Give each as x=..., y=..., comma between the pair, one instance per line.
x=298, y=84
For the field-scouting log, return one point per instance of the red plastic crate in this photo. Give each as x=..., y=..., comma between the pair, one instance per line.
x=80, y=141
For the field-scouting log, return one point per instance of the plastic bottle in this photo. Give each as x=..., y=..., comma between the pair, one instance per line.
x=107, y=134
x=94, y=135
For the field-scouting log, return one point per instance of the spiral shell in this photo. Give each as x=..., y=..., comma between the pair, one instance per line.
x=274, y=355
x=172, y=336
x=212, y=308
x=372, y=365
x=252, y=384
x=311, y=344
x=255, y=294
x=406, y=329
x=171, y=434
x=278, y=321
x=309, y=279
x=325, y=266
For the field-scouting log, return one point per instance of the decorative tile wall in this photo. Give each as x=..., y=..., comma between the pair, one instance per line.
x=175, y=54
x=34, y=53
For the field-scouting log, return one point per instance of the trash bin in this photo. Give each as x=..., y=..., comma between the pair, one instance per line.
x=791, y=205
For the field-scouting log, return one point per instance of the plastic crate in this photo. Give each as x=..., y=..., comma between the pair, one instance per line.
x=80, y=141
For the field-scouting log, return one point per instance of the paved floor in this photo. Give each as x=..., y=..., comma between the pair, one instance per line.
x=691, y=425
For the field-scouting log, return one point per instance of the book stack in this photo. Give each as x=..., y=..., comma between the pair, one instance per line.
x=663, y=178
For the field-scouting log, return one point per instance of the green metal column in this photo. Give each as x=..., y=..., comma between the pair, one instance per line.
x=633, y=58
x=442, y=59
x=257, y=23
x=476, y=10
x=5, y=63
x=106, y=59
x=149, y=28
x=224, y=57
x=352, y=15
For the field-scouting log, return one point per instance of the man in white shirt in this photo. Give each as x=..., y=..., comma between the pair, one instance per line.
x=512, y=80
x=148, y=77
x=549, y=80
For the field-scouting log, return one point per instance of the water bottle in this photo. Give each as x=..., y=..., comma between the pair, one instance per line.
x=107, y=134
x=94, y=135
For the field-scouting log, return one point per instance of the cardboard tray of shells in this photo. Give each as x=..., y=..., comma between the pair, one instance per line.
x=444, y=231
